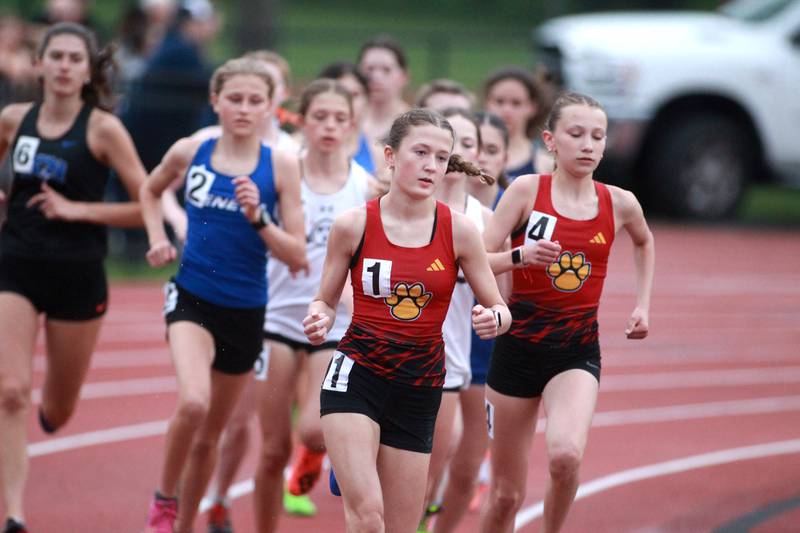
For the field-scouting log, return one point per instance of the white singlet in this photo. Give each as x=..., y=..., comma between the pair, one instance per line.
x=457, y=328
x=288, y=297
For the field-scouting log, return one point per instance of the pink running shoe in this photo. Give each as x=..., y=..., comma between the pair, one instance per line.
x=162, y=515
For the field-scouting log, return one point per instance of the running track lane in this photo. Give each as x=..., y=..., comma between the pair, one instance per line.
x=697, y=427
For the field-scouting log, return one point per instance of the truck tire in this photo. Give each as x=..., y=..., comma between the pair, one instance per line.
x=698, y=166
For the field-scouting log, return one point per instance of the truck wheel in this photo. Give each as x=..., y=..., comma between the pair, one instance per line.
x=699, y=165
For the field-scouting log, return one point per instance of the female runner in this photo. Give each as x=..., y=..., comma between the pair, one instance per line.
x=562, y=227
x=54, y=239
x=215, y=306
x=383, y=386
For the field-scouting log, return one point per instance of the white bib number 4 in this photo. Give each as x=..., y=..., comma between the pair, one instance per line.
x=540, y=226
x=376, y=277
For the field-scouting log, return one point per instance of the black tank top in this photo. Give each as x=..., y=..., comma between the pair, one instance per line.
x=68, y=166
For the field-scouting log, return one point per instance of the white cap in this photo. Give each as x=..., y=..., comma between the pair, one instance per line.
x=198, y=9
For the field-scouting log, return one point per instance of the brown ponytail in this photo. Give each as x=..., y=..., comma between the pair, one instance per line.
x=458, y=164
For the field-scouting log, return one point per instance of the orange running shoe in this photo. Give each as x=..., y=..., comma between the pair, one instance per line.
x=219, y=519
x=306, y=471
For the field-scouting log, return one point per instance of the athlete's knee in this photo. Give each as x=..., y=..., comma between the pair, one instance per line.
x=565, y=461
x=275, y=456
x=463, y=478
x=311, y=436
x=192, y=411
x=505, y=499
x=235, y=432
x=15, y=395
x=204, y=443
x=366, y=516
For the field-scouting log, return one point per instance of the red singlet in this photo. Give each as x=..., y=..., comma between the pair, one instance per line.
x=401, y=296
x=558, y=305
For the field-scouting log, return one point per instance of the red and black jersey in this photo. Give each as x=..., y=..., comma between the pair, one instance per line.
x=401, y=296
x=557, y=305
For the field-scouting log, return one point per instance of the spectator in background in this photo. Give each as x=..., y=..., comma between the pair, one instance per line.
x=384, y=62
x=444, y=94
x=170, y=99
x=513, y=95
x=64, y=11
x=17, y=75
x=142, y=27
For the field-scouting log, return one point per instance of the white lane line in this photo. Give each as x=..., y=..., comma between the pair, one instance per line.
x=140, y=357
x=614, y=383
x=126, y=387
x=624, y=477
x=92, y=438
x=700, y=378
x=237, y=490
x=607, y=418
x=775, y=404
x=692, y=411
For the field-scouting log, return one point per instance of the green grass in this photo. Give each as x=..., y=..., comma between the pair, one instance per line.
x=122, y=269
x=771, y=205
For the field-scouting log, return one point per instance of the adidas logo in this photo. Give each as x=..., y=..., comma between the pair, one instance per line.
x=598, y=239
x=436, y=266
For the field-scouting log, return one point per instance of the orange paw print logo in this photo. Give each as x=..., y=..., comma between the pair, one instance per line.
x=406, y=302
x=569, y=272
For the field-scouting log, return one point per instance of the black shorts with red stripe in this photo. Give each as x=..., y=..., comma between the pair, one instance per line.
x=62, y=290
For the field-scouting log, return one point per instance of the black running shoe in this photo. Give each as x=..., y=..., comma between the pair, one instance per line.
x=12, y=526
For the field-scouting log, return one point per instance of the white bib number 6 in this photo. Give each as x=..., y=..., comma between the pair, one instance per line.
x=25, y=153
x=376, y=277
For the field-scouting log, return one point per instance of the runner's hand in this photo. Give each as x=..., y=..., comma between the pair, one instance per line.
x=54, y=205
x=316, y=327
x=161, y=253
x=638, y=324
x=248, y=197
x=484, y=322
x=540, y=253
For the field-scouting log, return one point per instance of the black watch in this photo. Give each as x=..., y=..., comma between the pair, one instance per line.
x=516, y=256
x=262, y=221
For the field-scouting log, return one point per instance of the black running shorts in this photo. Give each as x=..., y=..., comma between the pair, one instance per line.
x=62, y=290
x=237, y=332
x=405, y=413
x=523, y=369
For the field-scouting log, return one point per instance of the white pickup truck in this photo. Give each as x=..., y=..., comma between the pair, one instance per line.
x=699, y=104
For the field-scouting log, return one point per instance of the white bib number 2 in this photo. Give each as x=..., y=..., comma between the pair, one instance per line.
x=540, y=226
x=198, y=182
x=376, y=277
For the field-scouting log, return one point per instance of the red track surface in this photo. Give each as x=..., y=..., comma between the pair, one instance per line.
x=719, y=372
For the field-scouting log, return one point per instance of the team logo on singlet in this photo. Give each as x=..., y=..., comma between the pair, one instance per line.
x=570, y=271
x=318, y=235
x=29, y=162
x=406, y=302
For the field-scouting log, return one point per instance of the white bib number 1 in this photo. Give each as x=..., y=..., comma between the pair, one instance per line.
x=376, y=277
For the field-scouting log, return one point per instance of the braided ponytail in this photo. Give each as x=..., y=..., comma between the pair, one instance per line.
x=458, y=164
